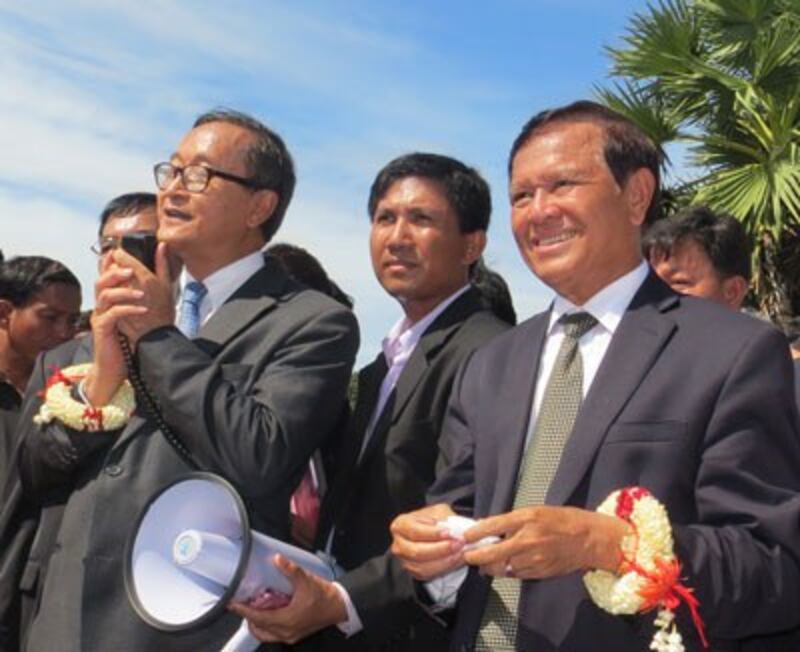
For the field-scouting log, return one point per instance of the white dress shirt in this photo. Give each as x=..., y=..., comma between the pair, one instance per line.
x=221, y=284
x=608, y=307
x=398, y=345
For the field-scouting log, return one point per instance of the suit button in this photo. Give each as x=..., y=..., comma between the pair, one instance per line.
x=113, y=470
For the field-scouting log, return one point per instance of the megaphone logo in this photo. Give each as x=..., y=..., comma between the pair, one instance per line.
x=193, y=552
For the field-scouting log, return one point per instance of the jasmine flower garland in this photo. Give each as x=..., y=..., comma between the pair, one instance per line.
x=59, y=404
x=649, y=576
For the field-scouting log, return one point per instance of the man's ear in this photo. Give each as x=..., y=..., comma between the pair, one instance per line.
x=639, y=189
x=734, y=290
x=6, y=308
x=476, y=243
x=263, y=206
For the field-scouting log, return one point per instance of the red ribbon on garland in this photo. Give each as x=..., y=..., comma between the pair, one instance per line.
x=56, y=376
x=664, y=588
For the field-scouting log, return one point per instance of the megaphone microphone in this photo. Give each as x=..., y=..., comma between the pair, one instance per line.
x=193, y=552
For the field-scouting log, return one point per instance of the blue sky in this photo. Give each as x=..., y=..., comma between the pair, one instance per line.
x=94, y=93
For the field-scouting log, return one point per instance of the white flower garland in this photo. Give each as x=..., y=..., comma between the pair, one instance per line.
x=649, y=575
x=58, y=403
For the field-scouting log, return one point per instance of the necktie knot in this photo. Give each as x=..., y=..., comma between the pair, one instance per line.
x=194, y=292
x=577, y=324
x=191, y=298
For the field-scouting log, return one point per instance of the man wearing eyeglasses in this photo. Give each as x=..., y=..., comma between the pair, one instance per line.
x=249, y=375
x=25, y=540
x=133, y=212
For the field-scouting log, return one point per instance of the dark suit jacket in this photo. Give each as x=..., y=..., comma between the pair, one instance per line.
x=693, y=402
x=392, y=477
x=16, y=522
x=251, y=398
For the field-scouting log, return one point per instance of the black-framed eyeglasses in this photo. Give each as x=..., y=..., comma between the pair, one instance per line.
x=195, y=178
x=105, y=244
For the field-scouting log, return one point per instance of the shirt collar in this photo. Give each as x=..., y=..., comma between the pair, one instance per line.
x=226, y=280
x=609, y=304
x=403, y=337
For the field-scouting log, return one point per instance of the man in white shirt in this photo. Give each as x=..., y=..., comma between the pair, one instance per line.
x=429, y=215
x=248, y=375
x=621, y=383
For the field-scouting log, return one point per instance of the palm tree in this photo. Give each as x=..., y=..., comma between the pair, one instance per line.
x=723, y=76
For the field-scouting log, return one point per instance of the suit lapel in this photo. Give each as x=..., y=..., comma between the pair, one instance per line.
x=256, y=295
x=431, y=342
x=369, y=385
x=520, y=378
x=635, y=346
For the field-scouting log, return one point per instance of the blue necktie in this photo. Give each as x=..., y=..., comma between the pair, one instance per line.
x=191, y=298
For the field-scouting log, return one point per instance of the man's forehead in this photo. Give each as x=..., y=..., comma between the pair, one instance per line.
x=144, y=220
x=412, y=185
x=690, y=251
x=565, y=143
x=213, y=137
x=62, y=297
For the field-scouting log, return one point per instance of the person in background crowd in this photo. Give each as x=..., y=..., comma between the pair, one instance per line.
x=429, y=215
x=622, y=383
x=39, y=302
x=494, y=292
x=304, y=267
x=248, y=375
x=701, y=253
x=20, y=519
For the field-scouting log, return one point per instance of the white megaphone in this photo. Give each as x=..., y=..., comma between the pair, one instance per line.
x=193, y=552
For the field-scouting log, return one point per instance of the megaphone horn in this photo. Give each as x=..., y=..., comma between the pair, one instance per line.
x=192, y=552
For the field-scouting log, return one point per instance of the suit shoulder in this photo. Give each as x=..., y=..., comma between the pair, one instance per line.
x=701, y=316
x=510, y=336
x=484, y=324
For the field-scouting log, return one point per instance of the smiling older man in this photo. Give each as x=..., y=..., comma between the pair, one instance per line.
x=621, y=382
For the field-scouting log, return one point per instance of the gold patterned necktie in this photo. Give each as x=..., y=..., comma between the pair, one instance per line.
x=554, y=423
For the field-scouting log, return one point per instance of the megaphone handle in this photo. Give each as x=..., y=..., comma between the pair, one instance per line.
x=242, y=640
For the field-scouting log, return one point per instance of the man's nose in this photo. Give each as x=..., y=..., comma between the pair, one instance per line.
x=65, y=328
x=399, y=233
x=542, y=205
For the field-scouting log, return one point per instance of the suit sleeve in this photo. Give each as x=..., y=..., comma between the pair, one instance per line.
x=259, y=421
x=743, y=555
x=384, y=595
x=455, y=468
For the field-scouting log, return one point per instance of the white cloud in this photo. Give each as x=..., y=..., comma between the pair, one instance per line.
x=94, y=94
x=35, y=226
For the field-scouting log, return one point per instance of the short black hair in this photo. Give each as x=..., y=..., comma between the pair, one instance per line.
x=494, y=293
x=627, y=148
x=125, y=205
x=722, y=237
x=303, y=266
x=465, y=189
x=23, y=277
x=269, y=162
